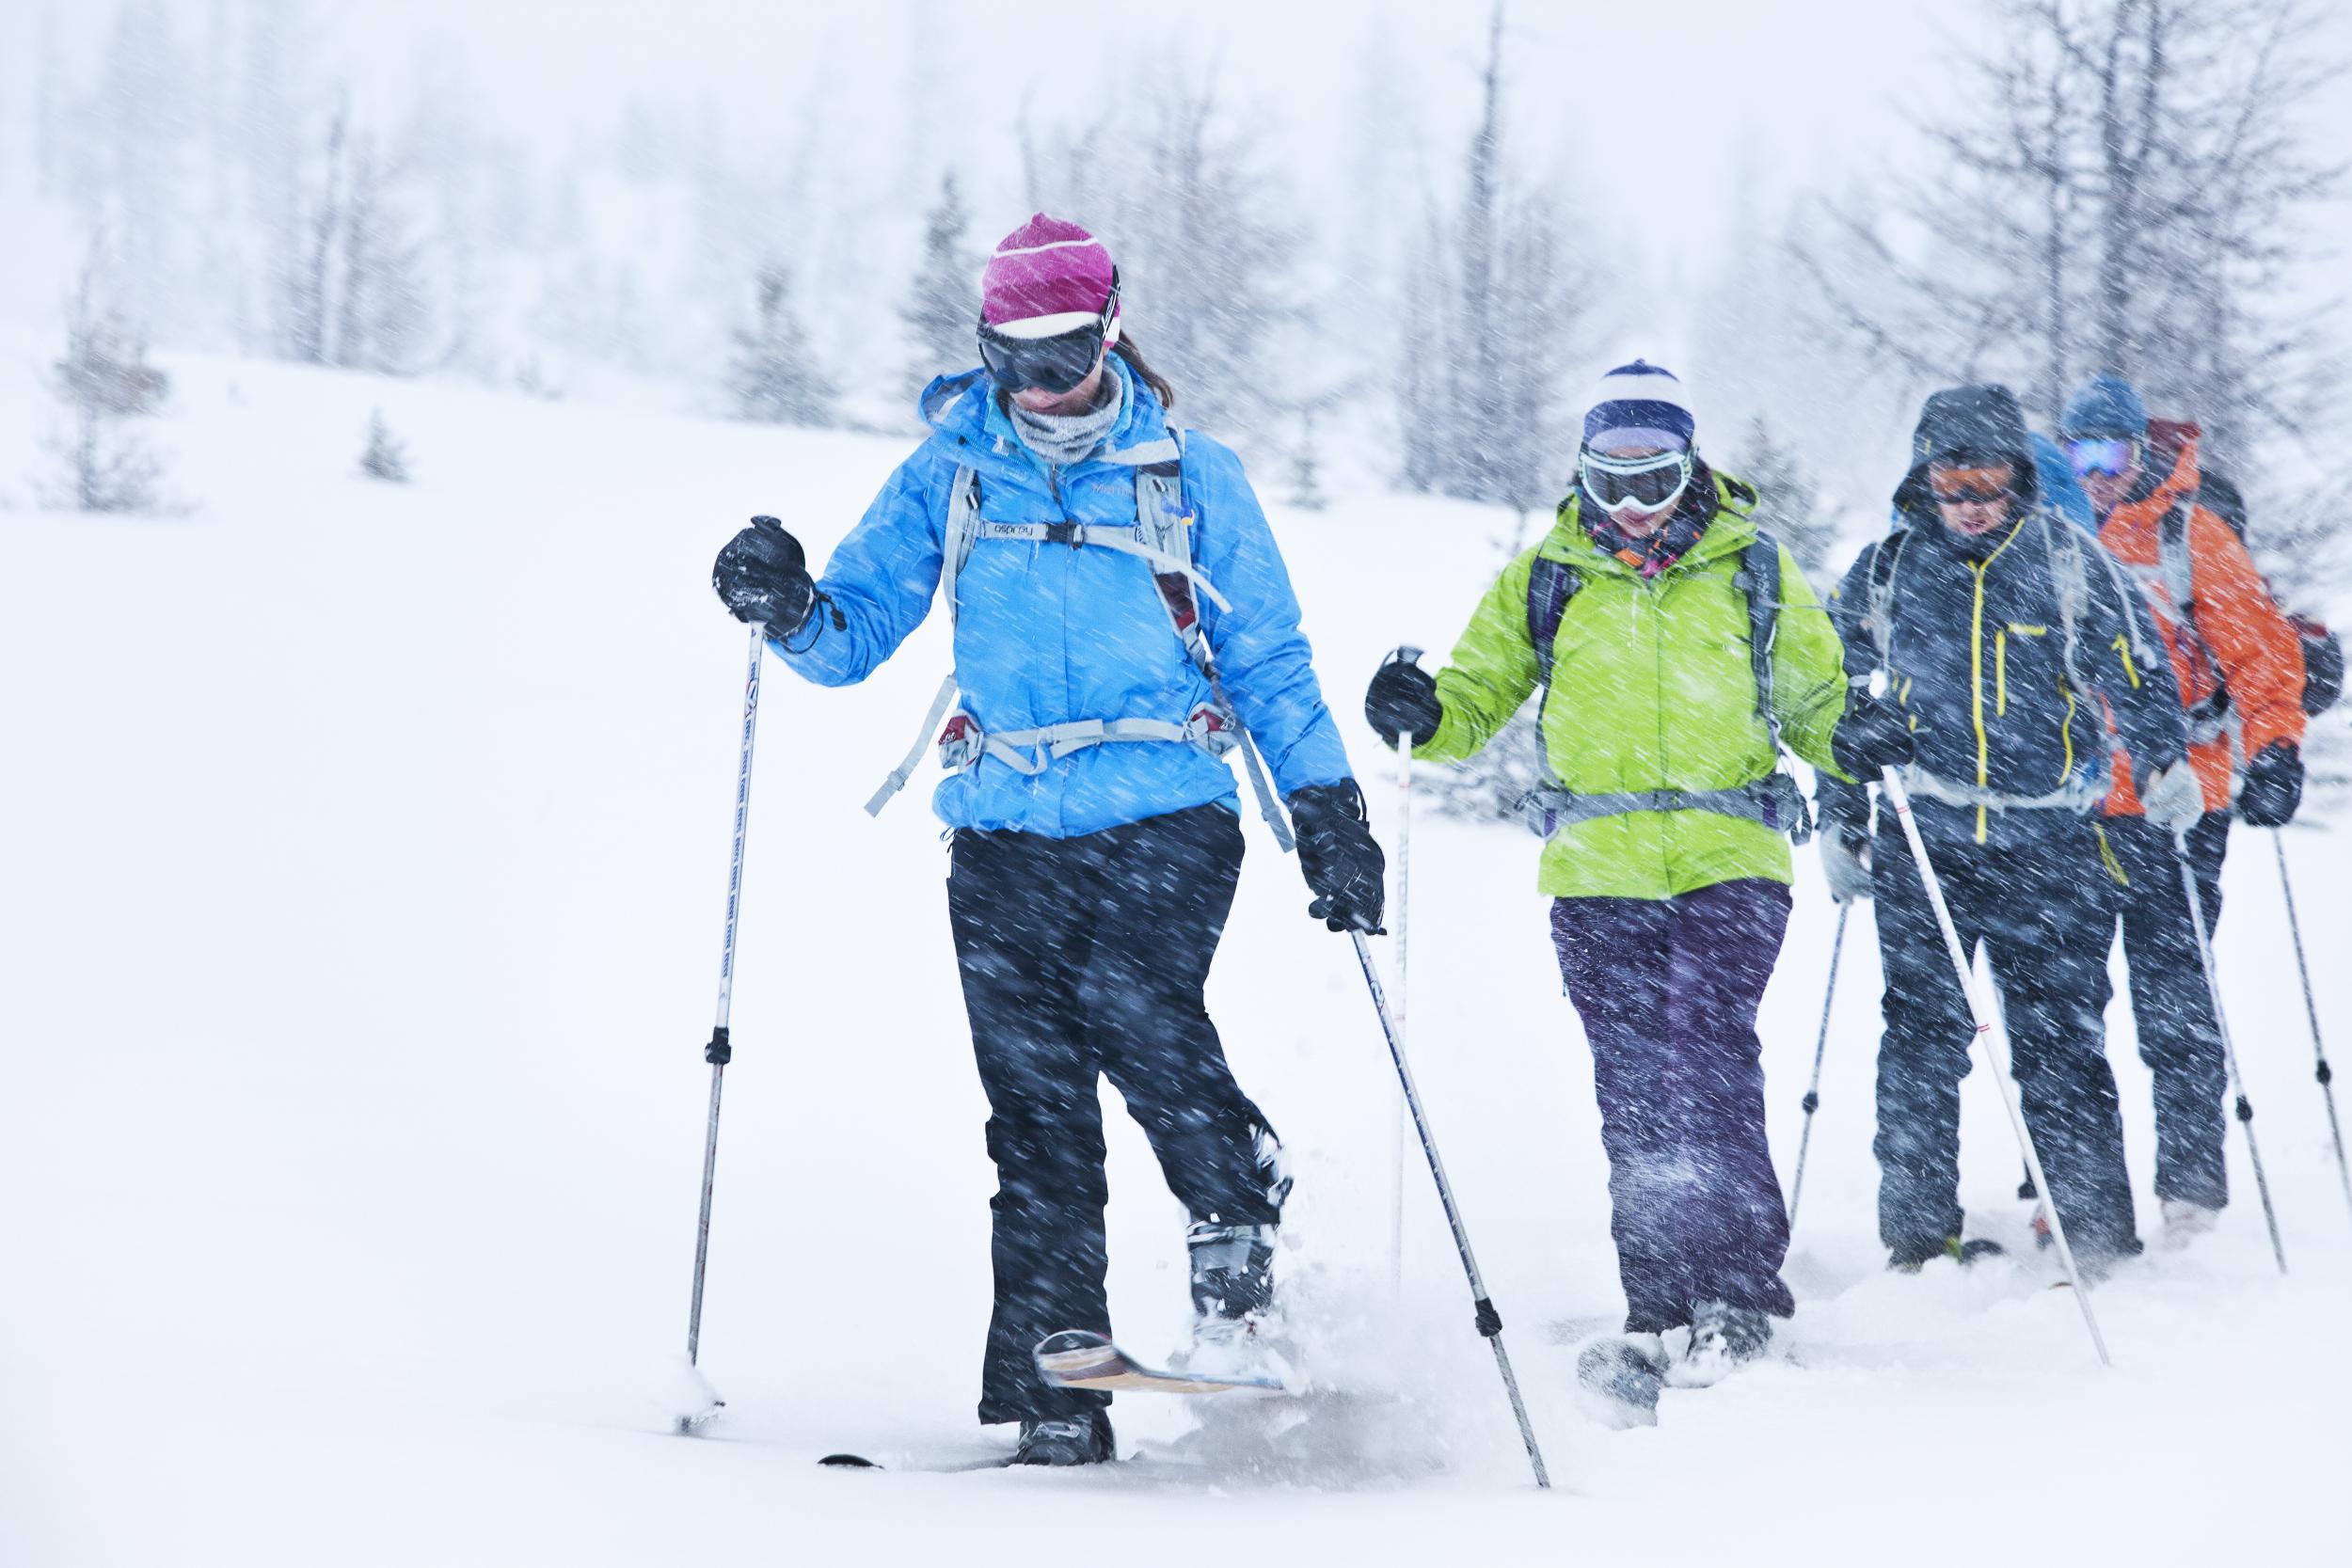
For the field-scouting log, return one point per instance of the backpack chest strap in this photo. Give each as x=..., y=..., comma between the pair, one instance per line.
x=1126, y=540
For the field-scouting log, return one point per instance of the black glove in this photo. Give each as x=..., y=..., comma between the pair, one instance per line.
x=762, y=577
x=1403, y=699
x=2274, y=787
x=1342, y=866
x=1873, y=735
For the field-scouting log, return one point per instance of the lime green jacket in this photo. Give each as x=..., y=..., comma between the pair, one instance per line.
x=1651, y=689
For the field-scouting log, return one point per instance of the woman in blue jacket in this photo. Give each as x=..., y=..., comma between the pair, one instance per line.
x=1123, y=620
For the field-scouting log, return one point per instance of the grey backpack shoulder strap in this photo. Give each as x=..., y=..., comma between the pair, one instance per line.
x=1759, y=575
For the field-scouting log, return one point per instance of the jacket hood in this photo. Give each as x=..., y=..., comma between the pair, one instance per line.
x=964, y=406
x=2172, y=454
x=1979, y=421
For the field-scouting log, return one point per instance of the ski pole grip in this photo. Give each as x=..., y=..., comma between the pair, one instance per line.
x=719, y=1053
x=1489, y=1321
x=1812, y=1102
x=2327, y=1074
x=2244, y=1109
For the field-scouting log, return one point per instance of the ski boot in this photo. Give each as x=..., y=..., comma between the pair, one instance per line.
x=1232, y=1302
x=1618, y=1380
x=1068, y=1440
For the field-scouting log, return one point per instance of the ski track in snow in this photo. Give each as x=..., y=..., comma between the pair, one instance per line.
x=366, y=871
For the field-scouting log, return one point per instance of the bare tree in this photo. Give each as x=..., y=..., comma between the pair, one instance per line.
x=2125, y=189
x=103, y=381
x=1787, y=498
x=1495, y=299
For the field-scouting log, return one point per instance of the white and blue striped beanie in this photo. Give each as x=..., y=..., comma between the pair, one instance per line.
x=1639, y=406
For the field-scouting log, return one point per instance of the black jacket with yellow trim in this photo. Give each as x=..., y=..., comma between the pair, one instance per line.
x=1976, y=656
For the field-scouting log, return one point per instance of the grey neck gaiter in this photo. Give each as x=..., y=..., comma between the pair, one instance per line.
x=1062, y=439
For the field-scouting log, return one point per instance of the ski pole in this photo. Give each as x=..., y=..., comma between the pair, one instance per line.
x=1489, y=1321
x=721, y=1050
x=1813, y=1090
x=2228, y=1051
x=1899, y=798
x=1403, y=983
x=2310, y=1006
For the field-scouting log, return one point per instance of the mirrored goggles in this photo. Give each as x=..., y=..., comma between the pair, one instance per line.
x=1649, y=483
x=1055, y=364
x=1965, y=486
x=2111, y=459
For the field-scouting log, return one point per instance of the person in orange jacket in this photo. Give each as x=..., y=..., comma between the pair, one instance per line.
x=2239, y=665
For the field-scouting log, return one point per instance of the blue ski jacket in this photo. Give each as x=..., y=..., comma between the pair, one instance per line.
x=1048, y=633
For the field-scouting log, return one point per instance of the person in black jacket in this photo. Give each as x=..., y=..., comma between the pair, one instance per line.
x=2007, y=638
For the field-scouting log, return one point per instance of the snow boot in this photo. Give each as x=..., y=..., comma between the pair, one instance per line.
x=1618, y=1380
x=1724, y=1339
x=1080, y=1440
x=1233, y=1303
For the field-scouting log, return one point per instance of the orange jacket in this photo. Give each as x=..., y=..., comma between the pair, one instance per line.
x=2238, y=632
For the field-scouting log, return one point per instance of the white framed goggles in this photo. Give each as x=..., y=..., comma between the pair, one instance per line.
x=1650, y=484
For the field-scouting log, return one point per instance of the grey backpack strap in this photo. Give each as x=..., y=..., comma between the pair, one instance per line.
x=1878, y=611
x=963, y=526
x=2172, y=557
x=1759, y=575
x=1551, y=584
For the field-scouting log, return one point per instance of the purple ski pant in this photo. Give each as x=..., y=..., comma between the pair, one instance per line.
x=1668, y=990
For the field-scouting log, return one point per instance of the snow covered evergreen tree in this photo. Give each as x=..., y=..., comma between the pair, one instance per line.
x=944, y=302
x=1788, y=499
x=103, y=381
x=386, y=458
x=773, y=377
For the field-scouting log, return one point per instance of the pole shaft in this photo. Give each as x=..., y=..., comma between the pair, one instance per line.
x=721, y=1050
x=1964, y=971
x=2229, y=1050
x=1401, y=917
x=1489, y=1322
x=1820, y=1046
x=2311, y=1008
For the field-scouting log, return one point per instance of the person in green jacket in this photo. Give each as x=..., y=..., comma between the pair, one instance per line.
x=1640, y=615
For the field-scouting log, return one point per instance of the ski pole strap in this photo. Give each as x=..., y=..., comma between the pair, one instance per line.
x=1489, y=1321
x=1773, y=800
x=905, y=770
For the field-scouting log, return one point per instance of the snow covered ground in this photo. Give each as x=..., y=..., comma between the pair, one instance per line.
x=365, y=854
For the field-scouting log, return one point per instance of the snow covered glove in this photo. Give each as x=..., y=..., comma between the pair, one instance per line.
x=1846, y=860
x=2172, y=800
x=1342, y=866
x=1872, y=736
x=2273, y=787
x=762, y=576
x=1403, y=699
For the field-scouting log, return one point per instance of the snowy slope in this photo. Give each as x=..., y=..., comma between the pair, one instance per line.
x=364, y=867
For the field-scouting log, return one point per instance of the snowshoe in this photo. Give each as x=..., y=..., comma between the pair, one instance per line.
x=2183, y=1222
x=1619, y=1378
x=1964, y=1253
x=1724, y=1339
x=1082, y=1440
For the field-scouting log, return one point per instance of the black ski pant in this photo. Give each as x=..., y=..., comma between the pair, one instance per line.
x=2041, y=899
x=2180, y=1038
x=1084, y=958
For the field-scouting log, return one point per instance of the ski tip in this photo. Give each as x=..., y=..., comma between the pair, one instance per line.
x=847, y=1462
x=689, y=1425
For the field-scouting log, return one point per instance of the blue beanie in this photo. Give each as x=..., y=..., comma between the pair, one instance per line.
x=1639, y=406
x=2104, y=407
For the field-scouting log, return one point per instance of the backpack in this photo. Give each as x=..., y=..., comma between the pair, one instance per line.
x=1775, y=800
x=1162, y=538
x=2323, y=650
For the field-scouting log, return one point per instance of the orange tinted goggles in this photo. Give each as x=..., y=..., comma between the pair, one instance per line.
x=1960, y=487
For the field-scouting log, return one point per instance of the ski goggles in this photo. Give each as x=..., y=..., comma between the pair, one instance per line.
x=2107, y=458
x=1649, y=483
x=1966, y=487
x=1054, y=364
